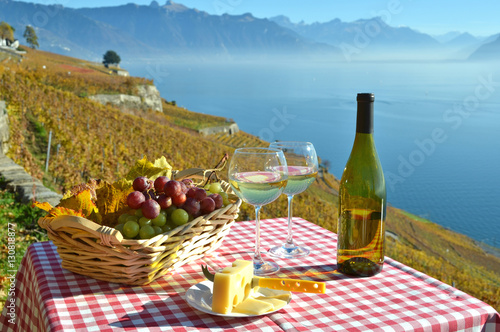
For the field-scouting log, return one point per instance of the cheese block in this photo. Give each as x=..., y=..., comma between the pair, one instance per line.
x=253, y=306
x=232, y=286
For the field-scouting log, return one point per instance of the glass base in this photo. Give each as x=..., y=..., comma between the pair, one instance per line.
x=265, y=268
x=285, y=252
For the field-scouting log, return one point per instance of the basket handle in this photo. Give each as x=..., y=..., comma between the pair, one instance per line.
x=106, y=234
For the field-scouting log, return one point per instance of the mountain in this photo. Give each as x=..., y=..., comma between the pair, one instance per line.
x=488, y=51
x=63, y=30
x=461, y=46
x=147, y=31
x=365, y=38
x=444, y=38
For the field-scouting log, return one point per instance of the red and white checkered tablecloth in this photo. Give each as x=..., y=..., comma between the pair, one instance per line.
x=49, y=298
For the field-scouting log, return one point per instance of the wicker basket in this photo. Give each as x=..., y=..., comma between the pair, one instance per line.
x=102, y=253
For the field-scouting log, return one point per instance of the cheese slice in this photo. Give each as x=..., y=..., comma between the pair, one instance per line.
x=232, y=286
x=253, y=306
x=273, y=294
x=276, y=303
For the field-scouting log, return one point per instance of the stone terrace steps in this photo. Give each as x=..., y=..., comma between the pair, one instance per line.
x=24, y=184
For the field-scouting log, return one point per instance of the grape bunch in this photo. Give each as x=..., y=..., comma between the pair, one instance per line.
x=161, y=205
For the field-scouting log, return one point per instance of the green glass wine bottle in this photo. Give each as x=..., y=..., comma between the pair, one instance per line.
x=362, y=201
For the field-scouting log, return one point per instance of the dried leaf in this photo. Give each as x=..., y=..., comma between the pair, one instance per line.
x=112, y=202
x=123, y=184
x=91, y=185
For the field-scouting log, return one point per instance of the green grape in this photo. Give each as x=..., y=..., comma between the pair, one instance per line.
x=225, y=198
x=132, y=218
x=130, y=229
x=160, y=220
x=215, y=188
x=164, y=212
x=145, y=222
x=119, y=227
x=123, y=218
x=158, y=230
x=138, y=213
x=166, y=228
x=147, y=232
x=179, y=217
x=171, y=209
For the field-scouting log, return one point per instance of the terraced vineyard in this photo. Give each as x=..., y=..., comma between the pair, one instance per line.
x=237, y=140
x=92, y=140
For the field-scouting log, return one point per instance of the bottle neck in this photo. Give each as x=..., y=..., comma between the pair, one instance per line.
x=364, y=119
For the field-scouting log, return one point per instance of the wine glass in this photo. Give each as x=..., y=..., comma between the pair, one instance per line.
x=258, y=176
x=302, y=164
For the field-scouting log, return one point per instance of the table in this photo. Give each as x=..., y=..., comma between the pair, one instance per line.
x=49, y=298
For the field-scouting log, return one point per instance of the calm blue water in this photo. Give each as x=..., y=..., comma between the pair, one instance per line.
x=437, y=125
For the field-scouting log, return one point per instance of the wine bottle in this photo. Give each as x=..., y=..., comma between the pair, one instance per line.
x=362, y=201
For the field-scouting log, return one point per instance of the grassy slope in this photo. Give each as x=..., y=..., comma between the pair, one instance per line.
x=47, y=99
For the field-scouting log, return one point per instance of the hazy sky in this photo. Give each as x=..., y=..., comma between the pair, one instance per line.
x=430, y=16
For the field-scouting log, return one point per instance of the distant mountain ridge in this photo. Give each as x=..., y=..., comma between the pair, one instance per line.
x=172, y=30
x=488, y=51
x=154, y=30
x=379, y=40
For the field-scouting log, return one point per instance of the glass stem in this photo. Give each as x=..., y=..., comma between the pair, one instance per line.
x=289, y=241
x=257, y=258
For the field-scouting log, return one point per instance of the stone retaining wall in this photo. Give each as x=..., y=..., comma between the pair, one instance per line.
x=26, y=186
x=148, y=98
x=230, y=129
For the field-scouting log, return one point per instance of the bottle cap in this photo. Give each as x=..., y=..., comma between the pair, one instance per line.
x=369, y=97
x=364, y=119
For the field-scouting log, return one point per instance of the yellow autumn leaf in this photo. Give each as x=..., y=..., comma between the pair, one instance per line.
x=81, y=202
x=150, y=170
x=62, y=211
x=43, y=205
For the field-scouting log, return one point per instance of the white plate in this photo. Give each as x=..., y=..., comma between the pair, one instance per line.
x=199, y=297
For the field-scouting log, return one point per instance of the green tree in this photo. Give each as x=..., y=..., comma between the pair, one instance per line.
x=111, y=57
x=31, y=37
x=6, y=31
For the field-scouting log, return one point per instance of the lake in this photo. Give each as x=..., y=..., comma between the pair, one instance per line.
x=437, y=125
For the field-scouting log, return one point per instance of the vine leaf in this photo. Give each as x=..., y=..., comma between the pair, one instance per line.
x=81, y=202
x=144, y=167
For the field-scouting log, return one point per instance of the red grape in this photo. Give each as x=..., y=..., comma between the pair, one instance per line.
x=150, y=209
x=135, y=199
x=217, y=199
x=192, y=207
x=184, y=188
x=159, y=183
x=200, y=194
x=191, y=192
x=172, y=188
x=141, y=183
x=178, y=200
x=164, y=201
x=207, y=205
x=188, y=182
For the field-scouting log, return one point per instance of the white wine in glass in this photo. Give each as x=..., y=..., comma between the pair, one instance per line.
x=302, y=164
x=258, y=176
